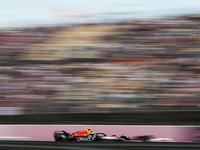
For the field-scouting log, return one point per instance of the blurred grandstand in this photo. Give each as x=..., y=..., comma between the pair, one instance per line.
x=108, y=67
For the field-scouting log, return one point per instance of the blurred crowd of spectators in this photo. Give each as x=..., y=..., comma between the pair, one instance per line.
x=139, y=64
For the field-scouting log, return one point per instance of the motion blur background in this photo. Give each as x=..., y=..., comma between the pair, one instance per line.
x=100, y=62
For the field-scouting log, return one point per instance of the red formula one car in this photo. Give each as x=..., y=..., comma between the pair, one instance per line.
x=101, y=136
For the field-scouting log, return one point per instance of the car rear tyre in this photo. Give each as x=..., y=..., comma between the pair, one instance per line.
x=59, y=139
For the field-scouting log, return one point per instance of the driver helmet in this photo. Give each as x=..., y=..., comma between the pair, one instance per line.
x=89, y=130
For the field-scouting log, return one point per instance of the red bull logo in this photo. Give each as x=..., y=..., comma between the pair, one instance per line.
x=81, y=133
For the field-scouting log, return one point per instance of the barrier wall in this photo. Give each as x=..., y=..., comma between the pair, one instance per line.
x=45, y=132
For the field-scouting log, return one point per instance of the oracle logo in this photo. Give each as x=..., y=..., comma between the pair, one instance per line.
x=88, y=138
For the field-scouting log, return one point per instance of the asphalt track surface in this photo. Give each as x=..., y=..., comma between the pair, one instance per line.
x=42, y=145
